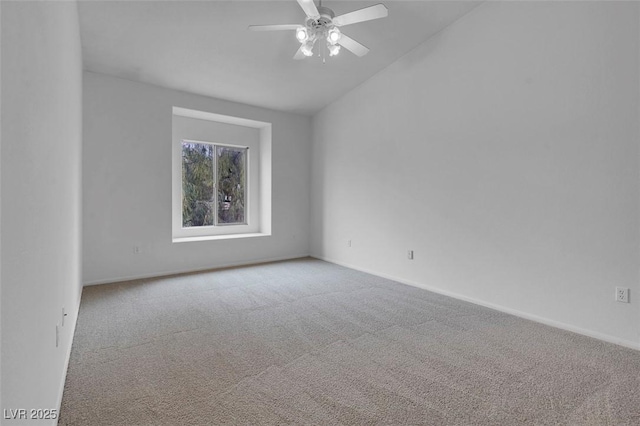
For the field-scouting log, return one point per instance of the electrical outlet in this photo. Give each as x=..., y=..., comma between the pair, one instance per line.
x=622, y=294
x=136, y=249
x=348, y=243
x=410, y=254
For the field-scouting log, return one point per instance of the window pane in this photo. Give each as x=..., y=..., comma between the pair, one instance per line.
x=232, y=172
x=197, y=184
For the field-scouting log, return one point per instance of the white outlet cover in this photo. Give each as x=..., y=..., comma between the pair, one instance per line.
x=622, y=294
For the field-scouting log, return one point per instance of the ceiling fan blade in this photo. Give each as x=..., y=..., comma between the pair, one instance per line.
x=366, y=14
x=299, y=55
x=352, y=45
x=278, y=27
x=309, y=8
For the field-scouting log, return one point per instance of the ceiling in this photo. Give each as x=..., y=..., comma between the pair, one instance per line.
x=204, y=47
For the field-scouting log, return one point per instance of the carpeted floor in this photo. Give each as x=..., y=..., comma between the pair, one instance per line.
x=309, y=342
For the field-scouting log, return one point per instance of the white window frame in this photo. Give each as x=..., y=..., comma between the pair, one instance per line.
x=258, y=184
x=247, y=189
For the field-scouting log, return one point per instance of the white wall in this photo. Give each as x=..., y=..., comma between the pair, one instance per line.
x=504, y=151
x=127, y=184
x=40, y=176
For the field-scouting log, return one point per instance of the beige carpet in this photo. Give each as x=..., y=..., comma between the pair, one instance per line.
x=309, y=342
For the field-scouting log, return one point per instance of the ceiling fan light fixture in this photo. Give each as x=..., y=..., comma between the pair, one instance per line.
x=307, y=48
x=302, y=34
x=334, y=49
x=334, y=36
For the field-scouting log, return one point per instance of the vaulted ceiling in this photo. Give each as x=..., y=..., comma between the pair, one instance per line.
x=204, y=47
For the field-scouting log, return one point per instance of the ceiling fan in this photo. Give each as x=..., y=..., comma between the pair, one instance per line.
x=322, y=24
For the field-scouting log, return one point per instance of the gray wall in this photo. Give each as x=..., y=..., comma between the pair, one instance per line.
x=127, y=184
x=504, y=152
x=40, y=176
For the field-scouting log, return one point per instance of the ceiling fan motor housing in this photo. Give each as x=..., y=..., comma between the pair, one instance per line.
x=325, y=21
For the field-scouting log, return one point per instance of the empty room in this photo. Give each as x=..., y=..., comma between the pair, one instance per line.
x=319, y=212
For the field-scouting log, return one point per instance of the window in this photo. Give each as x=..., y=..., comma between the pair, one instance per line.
x=231, y=172
x=214, y=184
x=221, y=177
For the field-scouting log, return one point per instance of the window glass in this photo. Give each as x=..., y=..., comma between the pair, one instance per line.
x=231, y=175
x=198, y=203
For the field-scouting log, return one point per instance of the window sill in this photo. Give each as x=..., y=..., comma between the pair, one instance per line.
x=218, y=237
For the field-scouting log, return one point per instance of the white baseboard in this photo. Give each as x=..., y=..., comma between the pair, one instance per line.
x=594, y=334
x=74, y=320
x=186, y=271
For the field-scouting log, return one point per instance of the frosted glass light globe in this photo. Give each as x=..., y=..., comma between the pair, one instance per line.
x=302, y=35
